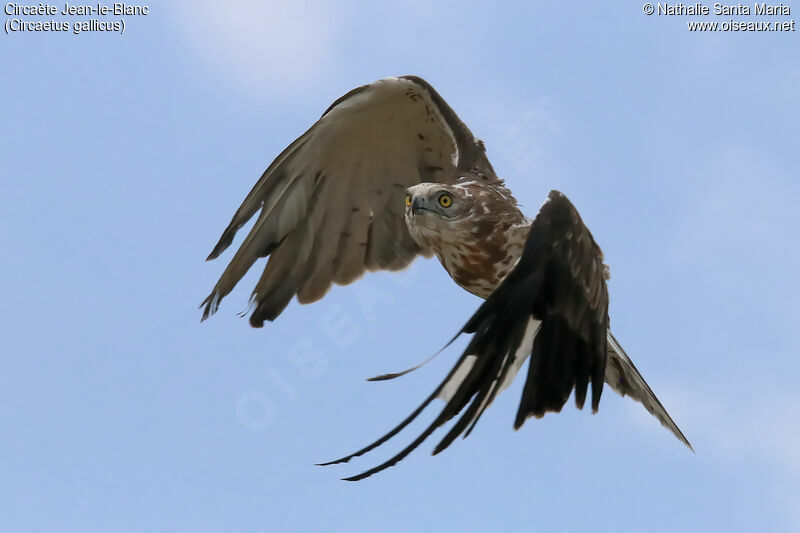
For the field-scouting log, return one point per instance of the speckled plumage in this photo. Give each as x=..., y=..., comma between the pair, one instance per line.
x=481, y=247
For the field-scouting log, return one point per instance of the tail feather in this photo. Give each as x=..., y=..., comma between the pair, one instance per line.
x=623, y=377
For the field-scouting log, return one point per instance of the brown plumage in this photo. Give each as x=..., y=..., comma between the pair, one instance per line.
x=331, y=204
x=481, y=239
x=390, y=172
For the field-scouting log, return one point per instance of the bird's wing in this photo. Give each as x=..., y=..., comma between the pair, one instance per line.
x=331, y=204
x=623, y=377
x=557, y=298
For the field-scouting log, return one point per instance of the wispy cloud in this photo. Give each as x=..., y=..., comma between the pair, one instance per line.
x=741, y=423
x=733, y=427
x=268, y=48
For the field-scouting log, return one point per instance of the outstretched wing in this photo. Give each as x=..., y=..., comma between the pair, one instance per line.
x=331, y=204
x=556, y=296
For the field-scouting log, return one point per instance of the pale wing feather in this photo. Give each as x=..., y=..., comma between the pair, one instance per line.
x=519, y=358
x=318, y=273
x=369, y=146
x=281, y=212
x=271, y=184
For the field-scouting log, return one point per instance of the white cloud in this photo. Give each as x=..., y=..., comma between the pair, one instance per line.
x=278, y=47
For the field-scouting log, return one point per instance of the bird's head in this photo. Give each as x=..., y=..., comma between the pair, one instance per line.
x=435, y=204
x=439, y=215
x=436, y=212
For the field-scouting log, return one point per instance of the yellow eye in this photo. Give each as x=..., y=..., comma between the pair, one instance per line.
x=445, y=200
x=408, y=200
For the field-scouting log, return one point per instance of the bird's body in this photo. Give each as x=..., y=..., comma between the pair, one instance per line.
x=481, y=247
x=390, y=172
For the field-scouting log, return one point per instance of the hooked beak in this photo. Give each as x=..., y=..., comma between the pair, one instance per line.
x=418, y=205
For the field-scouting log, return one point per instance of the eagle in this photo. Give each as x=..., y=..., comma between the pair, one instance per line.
x=390, y=173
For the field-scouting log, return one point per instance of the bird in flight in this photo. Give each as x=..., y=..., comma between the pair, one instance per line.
x=388, y=173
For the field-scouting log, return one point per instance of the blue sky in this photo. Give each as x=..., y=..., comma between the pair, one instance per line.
x=125, y=156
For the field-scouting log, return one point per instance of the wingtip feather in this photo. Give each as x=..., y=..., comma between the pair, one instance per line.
x=209, y=305
x=222, y=245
